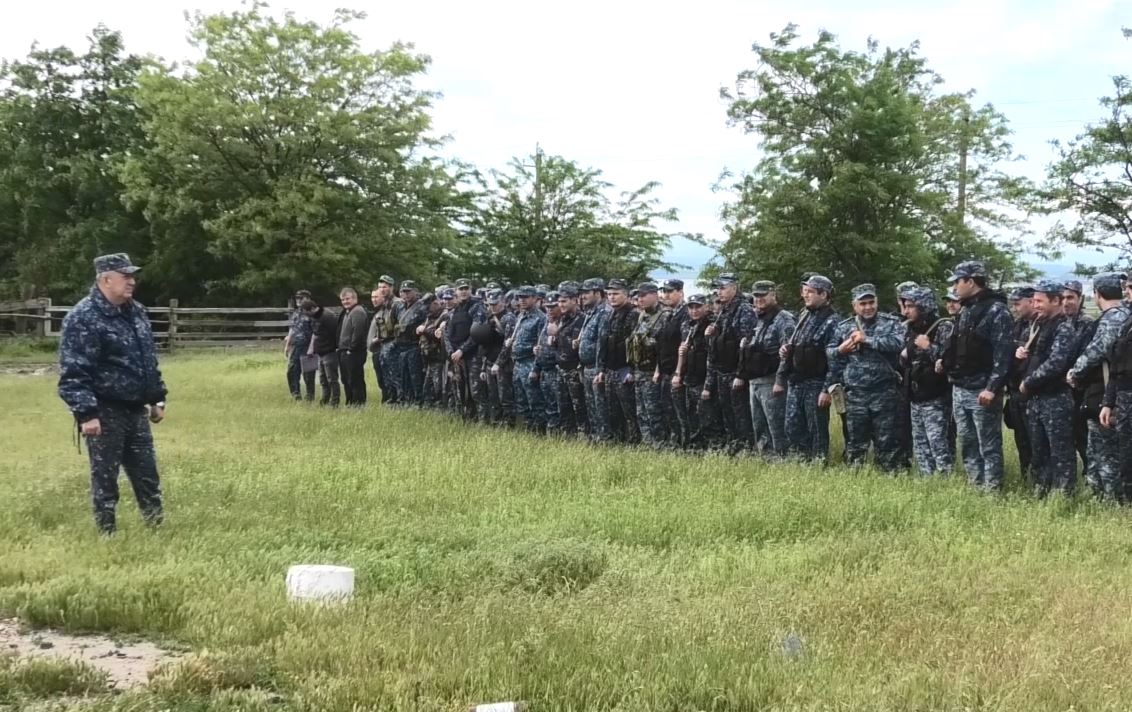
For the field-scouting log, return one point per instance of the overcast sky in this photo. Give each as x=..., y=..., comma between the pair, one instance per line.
x=632, y=88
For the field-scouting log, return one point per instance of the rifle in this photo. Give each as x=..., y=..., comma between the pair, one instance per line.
x=682, y=355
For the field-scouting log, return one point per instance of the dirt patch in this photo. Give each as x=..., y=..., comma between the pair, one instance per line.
x=30, y=369
x=126, y=664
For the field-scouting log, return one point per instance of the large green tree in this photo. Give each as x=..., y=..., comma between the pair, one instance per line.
x=289, y=156
x=66, y=121
x=547, y=219
x=1092, y=180
x=859, y=177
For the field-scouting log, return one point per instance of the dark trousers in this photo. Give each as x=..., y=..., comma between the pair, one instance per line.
x=735, y=407
x=622, y=399
x=572, y=402
x=125, y=443
x=296, y=377
x=1017, y=420
x=352, y=366
x=328, y=379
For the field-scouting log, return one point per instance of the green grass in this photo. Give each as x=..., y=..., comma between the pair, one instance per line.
x=27, y=349
x=496, y=566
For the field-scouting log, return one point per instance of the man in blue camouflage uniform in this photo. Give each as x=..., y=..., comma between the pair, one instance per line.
x=1015, y=413
x=110, y=381
x=1088, y=375
x=406, y=352
x=862, y=358
x=613, y=364
x=545, y=372
x=727, y=335
x=642, y=352
x=1116, y=410
x=595, y=317
x=759, y=362
x=295, y=346
x=432, y=352
x=571, y=392
x=804, y=366
x=528, y=325
x=927, y=390
x=977, y=362
x=1083, y=328
x=1049, y=402
x=497, y=360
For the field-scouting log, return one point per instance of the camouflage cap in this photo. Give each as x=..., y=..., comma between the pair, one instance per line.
x=568, y=290
x=1050, y=286
x=762, y=288
x=951, y=296
x=966, y=270
x=408, y=286
x=672, y=285
x=864, y=291
x=817, y=281
x=1108, y=280
x=618, y=285
x=904, y=289
x=493, y=296
x=386, y=279
x=448, y=293
x=463, y=283
x=1074, y=285
x=593, y=284
x=552, y=297
x=526, y=291
x=1021, y=293
x=922, y=297
x=697, y=300
x=544, y=288
x=726, y=278
x=569, y=284
x=492, y=285
x=117, y=262
x=647, y=288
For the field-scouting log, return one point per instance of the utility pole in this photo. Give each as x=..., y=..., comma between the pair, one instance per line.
x=963, y=138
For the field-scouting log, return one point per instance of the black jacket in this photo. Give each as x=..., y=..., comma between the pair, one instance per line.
x=325, y=332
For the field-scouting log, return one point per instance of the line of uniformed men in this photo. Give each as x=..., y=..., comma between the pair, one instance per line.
x=643, y=364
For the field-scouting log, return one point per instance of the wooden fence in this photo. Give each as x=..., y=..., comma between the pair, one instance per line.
x=174, y=326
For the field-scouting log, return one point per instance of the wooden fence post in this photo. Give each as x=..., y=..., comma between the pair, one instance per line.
x=43, y=324
x=172, y=335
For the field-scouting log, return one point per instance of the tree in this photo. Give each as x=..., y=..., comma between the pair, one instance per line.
x=860, y=174
x=66, y=121
x=1092, y=178
x=548, y=219
x=287, y=156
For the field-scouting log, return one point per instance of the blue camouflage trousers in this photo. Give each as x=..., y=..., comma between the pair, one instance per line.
x=501, y=399
x=735, y=410
x=871, y=417
x=979, y=430
x=621, y=395
x=650, y=409
x=1053, y=460
x=408, y=372
x=548, y=386
x=126, y=442
x=1124, y=438
x=768, y=417
x=295, y=376
x=528, y=396
x=807, y=425
x=597, y=409
x=931, y=444
x=1103, y=473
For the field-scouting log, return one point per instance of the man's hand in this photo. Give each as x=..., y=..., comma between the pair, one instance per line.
x=92, y=428
x=986, y=398
x=737, y=384
x=923, y=342
x=1022, y=388
x=783, y=350
x=599, y=378
x=710, y=330
x=706, y=395
x=1022, y=353
x=457, y=356
x=439, y=333
x=683, y=350
x=495, y=370
x=778, y=390
x=1071, y=380
x=847, y=347
x=156, y=414
x=421, y=330
x=656, y=377
x=677, y=382
x=939, y=366
x=1106, y=418
x=857, y=337
x=824, y=400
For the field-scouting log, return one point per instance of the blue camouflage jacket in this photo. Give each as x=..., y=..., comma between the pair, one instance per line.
x=592, y=329
x=107, y=354
x=302, y=330
x=528, y=326
x=873, y=365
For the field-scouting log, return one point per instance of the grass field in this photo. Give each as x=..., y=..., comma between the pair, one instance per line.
x=495, y=566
